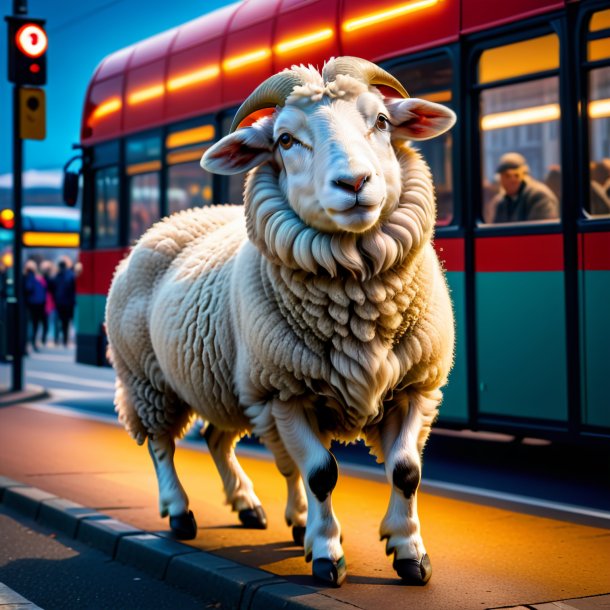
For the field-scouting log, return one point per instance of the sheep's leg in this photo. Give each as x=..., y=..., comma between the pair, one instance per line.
x=173, y=500
x=403, y=434
x=296, y=504
x=238, y=487
x=263, y=426
x=319, y=470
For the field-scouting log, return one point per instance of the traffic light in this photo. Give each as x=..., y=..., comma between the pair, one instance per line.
x=32, y=114
x=7, y=219
x=27, y=48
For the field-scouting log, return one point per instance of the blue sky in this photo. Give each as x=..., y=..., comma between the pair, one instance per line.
x=80, y=35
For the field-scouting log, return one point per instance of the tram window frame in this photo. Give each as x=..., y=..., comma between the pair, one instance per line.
x=171, y=153
x=478, y=89
x=452, y=136
x=231, y=187
x=103, y=157
x=139, y=165
x=588, y=67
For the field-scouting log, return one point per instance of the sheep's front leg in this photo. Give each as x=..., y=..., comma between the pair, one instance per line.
x=320, y=472
x=404, y=431
x=238, y=487
x=173, y=500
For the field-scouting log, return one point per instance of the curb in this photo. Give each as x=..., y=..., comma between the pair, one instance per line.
x=213, y=579
x=29, y=394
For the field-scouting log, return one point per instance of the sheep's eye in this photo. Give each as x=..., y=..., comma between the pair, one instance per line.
x=382, y=123
x=286, y=141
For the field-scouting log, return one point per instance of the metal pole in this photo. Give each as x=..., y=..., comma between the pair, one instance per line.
x=17, y=265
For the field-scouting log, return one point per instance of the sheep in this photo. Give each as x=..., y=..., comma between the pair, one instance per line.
x=316, y=311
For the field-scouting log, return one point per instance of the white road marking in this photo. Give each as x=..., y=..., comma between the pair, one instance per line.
x=106, y=385
x=53, y=357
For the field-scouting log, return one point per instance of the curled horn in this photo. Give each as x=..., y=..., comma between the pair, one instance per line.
x=362, y=70
x=269, y=94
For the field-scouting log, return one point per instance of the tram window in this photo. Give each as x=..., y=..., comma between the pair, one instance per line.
x=145, y=204
x=431, y=79
x=519, y=130
x=598, y=202
x=107, y=207
x=188, y=186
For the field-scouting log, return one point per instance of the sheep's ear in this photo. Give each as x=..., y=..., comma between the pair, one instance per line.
x=416, y=119
x=238, y=152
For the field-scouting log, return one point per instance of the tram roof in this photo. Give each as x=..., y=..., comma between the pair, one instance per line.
x=216, y=60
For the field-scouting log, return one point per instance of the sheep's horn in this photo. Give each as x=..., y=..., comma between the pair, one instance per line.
x=269, y=94
x=363, y=70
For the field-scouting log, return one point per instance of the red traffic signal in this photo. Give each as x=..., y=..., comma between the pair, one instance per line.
x=27, y=47
x=7, y=219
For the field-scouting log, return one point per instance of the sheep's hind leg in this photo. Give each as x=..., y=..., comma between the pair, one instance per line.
x=296, y=505
x=173, y=500
x=403, y=432
x=320, y=472
x=238, y=487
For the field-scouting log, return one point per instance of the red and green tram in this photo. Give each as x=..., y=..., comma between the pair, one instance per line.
x=532, y=298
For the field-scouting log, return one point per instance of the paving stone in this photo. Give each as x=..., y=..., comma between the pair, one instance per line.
x=598, y=602
x=150, y=553
x=5, y=483
x=216, y=580
x=104, y=534
x=65, y=516
x=26, y=500
x=11, y=600
x=283, y=595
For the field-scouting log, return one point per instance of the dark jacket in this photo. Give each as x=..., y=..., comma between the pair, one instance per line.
x=34, y=291
x=64, y=288
x=534, y=201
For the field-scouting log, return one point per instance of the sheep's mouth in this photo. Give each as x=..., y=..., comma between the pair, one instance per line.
x=356, y=218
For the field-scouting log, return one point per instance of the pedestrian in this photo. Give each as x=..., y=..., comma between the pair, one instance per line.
x=48, y=270
x=35, y=296
x=522, y=198
x=64, y=286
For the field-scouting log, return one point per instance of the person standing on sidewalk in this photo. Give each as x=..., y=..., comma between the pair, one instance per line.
x=35, y=296
x=64, y=286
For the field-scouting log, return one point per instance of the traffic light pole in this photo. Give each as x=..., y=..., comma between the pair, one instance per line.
x=16, y=301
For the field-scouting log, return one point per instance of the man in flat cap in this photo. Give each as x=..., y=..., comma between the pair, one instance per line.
x=522, y=198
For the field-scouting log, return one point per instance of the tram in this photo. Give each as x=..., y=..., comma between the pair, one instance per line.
x=529, y=77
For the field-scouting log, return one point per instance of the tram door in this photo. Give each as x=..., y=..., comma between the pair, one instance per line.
x=519, y=255
x=594, y=231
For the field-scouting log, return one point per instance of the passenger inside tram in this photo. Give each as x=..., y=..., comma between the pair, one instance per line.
x=521, y=198
x=599, y=199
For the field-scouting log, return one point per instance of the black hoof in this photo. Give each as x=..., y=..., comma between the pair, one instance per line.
x=298, y=535
x=330, y=572
x=184, y=526
x=413, y=572
x=253, y=518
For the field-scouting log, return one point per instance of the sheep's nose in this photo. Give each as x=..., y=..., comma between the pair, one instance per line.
x=353, y=184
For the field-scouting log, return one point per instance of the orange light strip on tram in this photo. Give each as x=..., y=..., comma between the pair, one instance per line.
x=599, y=109
x=34, y=239
x=143, y=95
x=108, y=107
x=193, y=78
x=437, y=96
x=190, y=136
x=302, y=41
x=142, y=168
x=378, y=17
x=525, y=116
x=184, y=156
x=247, y=58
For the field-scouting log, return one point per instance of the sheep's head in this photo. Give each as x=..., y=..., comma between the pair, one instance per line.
x=333, y=142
